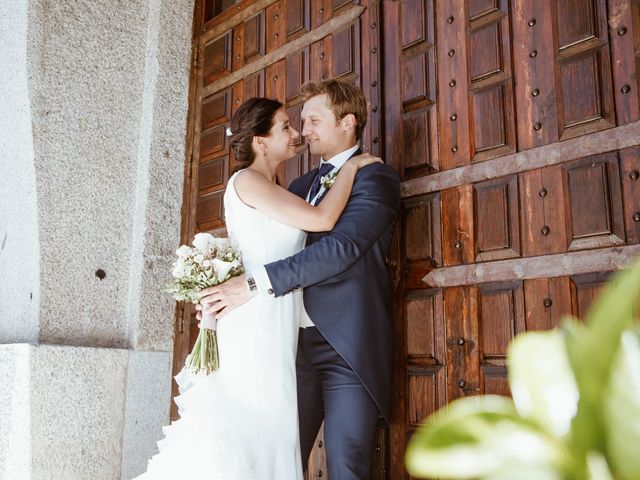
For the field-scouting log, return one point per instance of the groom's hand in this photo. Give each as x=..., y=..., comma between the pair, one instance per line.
x=221, y=299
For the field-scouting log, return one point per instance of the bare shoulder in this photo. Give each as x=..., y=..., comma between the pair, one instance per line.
x=248, y=179
x=252, y=187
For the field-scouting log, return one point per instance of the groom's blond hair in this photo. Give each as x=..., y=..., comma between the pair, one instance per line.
x=345, y=98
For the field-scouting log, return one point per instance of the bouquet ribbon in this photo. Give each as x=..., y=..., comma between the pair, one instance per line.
x=208, y=321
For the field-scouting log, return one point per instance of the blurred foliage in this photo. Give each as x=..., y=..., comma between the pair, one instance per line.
x=575, y=412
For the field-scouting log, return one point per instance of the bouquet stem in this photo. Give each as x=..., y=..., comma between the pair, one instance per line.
x=204, y=356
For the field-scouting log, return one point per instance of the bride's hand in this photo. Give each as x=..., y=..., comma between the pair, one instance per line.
x=363, y=160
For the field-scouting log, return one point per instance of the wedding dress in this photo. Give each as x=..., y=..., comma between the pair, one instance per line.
x=241, y=422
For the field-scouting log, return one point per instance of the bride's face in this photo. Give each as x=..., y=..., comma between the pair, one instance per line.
x=283, y=138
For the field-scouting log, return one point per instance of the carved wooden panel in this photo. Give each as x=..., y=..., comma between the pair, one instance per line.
x=425, y=393
x=209, y=212
x=485, y=52
x=491, y=90
x=478, y=8
x=346, y=49
x=217, y=58
x=497, y=229
x=216, y=109
x=424, y=313
x=422, y=237
x=583, y=70
x=416, y=83
x=254, y=37
x=414, y=19
x=297, y=74
x=211, y=175
x=581, y=78
x=337, y=4
x=254, y=85
x=501, y=317
x=584, y=289
x=213, y=143
x=213, y=8
x=418, y=131
x=418, y=88
x=297, y=17
x=594, y=202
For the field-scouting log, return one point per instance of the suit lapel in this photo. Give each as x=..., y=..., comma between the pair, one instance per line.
x=355, y=154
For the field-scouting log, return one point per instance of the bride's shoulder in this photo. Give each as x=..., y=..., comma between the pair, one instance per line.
x=252, y=186
x=248, y=177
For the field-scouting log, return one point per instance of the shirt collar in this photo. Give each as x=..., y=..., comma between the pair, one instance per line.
x=341, y=158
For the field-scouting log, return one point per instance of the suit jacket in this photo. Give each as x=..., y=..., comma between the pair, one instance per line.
x=347, y=288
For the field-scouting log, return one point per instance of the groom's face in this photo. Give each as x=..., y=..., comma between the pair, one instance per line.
x=322, y=131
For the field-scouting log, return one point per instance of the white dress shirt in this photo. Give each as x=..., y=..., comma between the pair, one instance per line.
x=260, y=275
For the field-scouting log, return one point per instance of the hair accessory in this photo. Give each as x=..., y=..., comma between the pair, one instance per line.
x=229, y=132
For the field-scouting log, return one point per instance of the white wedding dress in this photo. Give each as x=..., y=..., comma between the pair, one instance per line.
x=241, y=422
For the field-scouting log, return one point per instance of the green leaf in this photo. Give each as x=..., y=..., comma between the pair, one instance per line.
x=542, y=383
x=592, y=350
x=622, y=409
x=482, y=437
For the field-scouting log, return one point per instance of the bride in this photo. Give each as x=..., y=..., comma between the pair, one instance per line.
x=241, y=422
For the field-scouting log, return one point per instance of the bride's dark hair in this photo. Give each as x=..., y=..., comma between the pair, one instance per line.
x=253, y=118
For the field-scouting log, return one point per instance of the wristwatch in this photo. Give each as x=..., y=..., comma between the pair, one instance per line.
x=252, y=284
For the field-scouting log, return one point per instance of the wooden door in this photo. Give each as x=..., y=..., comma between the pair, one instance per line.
x=514, y=126
x=267, y=48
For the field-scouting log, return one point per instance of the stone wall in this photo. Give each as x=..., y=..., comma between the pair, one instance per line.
x=92, y=161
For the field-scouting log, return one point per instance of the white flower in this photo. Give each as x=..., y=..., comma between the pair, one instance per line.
x=206, y=263
x=203, y=241
x=328, y=180
x=199, y=258
x=222, y=268
x=183, y=251
x=178, y=270
x=220, y=243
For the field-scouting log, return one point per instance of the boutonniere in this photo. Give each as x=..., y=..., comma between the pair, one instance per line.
x=328, y=180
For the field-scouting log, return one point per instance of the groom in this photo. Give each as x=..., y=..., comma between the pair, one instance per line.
x=345, y=343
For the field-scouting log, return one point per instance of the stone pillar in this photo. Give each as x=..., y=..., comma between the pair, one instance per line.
x=92, y=161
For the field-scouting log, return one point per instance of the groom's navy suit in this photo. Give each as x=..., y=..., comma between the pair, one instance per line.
x=347, y=294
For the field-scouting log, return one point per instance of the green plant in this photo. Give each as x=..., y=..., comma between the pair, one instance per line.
x=575, y=412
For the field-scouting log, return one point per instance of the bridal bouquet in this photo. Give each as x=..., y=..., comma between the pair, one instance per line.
x=211, y=261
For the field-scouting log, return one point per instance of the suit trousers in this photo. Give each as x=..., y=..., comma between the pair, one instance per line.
x=329, y=389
